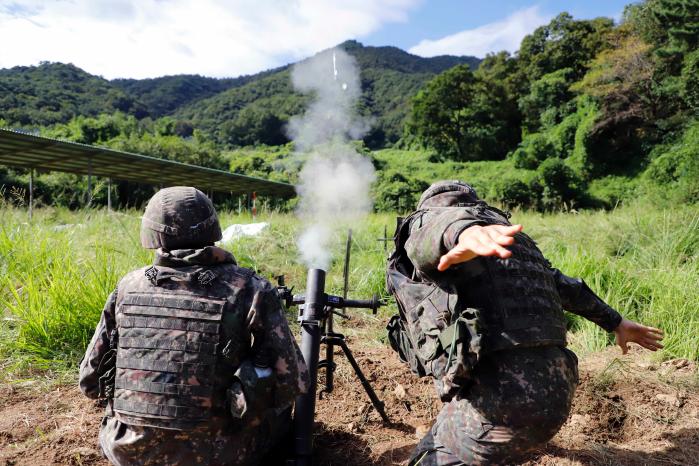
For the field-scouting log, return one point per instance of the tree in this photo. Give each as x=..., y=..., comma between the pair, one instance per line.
x=563, y=43
x=680, y=18
x=463, y=117
x=253, y=126
x=690, y=82
x=547, y=102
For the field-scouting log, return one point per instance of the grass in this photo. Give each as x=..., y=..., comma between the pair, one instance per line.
x=56, y=272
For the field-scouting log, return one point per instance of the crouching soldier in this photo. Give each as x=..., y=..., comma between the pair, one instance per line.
x=481, y=311
x=193, y=353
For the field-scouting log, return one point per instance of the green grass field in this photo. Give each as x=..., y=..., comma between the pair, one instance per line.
x=56, y=271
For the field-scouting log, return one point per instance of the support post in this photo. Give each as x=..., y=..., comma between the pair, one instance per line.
x=254, y=205
x=89, y=181
x=31, y=193
x=109, y=194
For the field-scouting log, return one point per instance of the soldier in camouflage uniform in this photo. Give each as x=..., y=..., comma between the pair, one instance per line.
x=481, y=311
x=193, y=353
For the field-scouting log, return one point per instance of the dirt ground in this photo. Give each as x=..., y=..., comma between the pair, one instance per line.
x=627, y=411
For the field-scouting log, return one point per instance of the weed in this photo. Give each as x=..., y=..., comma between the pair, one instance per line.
x=56, y=273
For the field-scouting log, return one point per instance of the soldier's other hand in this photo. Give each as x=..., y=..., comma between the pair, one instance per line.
x=479, y=240
x=629, y=331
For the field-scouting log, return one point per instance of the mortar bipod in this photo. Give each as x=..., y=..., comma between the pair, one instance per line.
x=331, y=339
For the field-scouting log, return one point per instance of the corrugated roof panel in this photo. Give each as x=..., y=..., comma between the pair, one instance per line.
x=29, y=151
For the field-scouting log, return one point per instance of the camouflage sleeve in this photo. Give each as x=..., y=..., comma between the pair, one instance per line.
x=578, y=298
x=279, y=347
x=432, y=235
x=91, y=366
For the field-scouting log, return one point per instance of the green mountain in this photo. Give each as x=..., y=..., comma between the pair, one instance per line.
x=238, y=111
x=162, y=96
x=257, y=111
x=55, y=92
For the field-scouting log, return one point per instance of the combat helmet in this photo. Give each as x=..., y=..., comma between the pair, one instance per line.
x=179, y=217
x=447, y=193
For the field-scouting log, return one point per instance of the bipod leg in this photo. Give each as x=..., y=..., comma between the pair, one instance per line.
x=329, y=362
x=339, y=340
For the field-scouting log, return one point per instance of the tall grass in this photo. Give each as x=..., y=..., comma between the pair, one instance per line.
x=56, y=272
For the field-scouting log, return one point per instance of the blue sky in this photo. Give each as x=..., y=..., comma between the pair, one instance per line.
x=434, y=19
x=149, y=38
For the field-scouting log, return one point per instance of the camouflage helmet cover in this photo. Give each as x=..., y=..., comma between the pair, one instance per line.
x=179, y=217
x=447, y=193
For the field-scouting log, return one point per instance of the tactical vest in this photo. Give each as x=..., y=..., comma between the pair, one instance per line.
x=169, y=326
x=489, y=304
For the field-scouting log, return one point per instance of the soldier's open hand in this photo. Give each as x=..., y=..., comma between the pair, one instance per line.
x=488, y=240
x=629, y=331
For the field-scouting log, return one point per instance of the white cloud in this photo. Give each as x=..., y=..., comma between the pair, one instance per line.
x=147, y=38
x=493, y=37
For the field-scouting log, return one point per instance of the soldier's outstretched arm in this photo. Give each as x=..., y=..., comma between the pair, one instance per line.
x=434, y=235
x=578, y=298
x=93, y=366
x=477, y=240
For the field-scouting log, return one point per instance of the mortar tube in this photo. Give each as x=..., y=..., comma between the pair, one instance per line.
x=310, y=348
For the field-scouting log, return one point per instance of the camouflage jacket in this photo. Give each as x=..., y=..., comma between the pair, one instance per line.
x=434, y=232
x=251, y=297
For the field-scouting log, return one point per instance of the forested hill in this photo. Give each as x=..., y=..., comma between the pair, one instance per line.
x=35, y=96
x=233, y=111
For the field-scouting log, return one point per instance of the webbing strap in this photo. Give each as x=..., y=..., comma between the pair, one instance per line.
x=188, y=412
x=168, y=323
x=452, y=334
x=164, y=388
x=150, y=343
x=179, y=231
x=185, y=302
x=170, y=312
x=183, y=368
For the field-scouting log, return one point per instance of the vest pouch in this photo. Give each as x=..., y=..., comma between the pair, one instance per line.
x=252, y=393
x=426, y=321
x=460, y=343
x=400, y=342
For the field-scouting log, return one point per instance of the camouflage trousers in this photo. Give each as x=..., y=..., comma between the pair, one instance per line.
x=518, y=400
x=216, y=444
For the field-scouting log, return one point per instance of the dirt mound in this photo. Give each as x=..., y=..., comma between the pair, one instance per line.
x=48, y=427
x=627, y=411
x=630, y=411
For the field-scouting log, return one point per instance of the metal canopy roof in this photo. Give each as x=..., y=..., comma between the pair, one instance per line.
x=28, y=151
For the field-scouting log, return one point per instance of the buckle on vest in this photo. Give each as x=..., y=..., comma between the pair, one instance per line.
x=206, y=277
x=152, y=275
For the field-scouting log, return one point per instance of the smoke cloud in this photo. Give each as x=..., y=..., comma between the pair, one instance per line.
x=335, y=180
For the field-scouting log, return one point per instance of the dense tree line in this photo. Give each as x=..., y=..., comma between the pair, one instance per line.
x=581, y=101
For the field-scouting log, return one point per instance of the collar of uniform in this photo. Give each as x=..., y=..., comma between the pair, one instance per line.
x=209, y=255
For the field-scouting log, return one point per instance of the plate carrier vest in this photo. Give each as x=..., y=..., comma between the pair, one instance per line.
x=167, y=351
x=488, y=304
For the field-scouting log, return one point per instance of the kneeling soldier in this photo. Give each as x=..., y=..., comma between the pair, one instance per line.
x=193, y=353
x=481, y=311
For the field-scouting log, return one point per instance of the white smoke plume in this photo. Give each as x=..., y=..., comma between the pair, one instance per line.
x=334, y=182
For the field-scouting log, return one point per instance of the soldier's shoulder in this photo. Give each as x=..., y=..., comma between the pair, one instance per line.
x=244, y=277
x=135, y=276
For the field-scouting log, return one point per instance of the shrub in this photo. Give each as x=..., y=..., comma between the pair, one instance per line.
x=513, y=192
x=532, y=151
x=675, y=174
x=559, y=184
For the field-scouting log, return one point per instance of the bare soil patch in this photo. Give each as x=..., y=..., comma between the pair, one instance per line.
x=627, y=411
